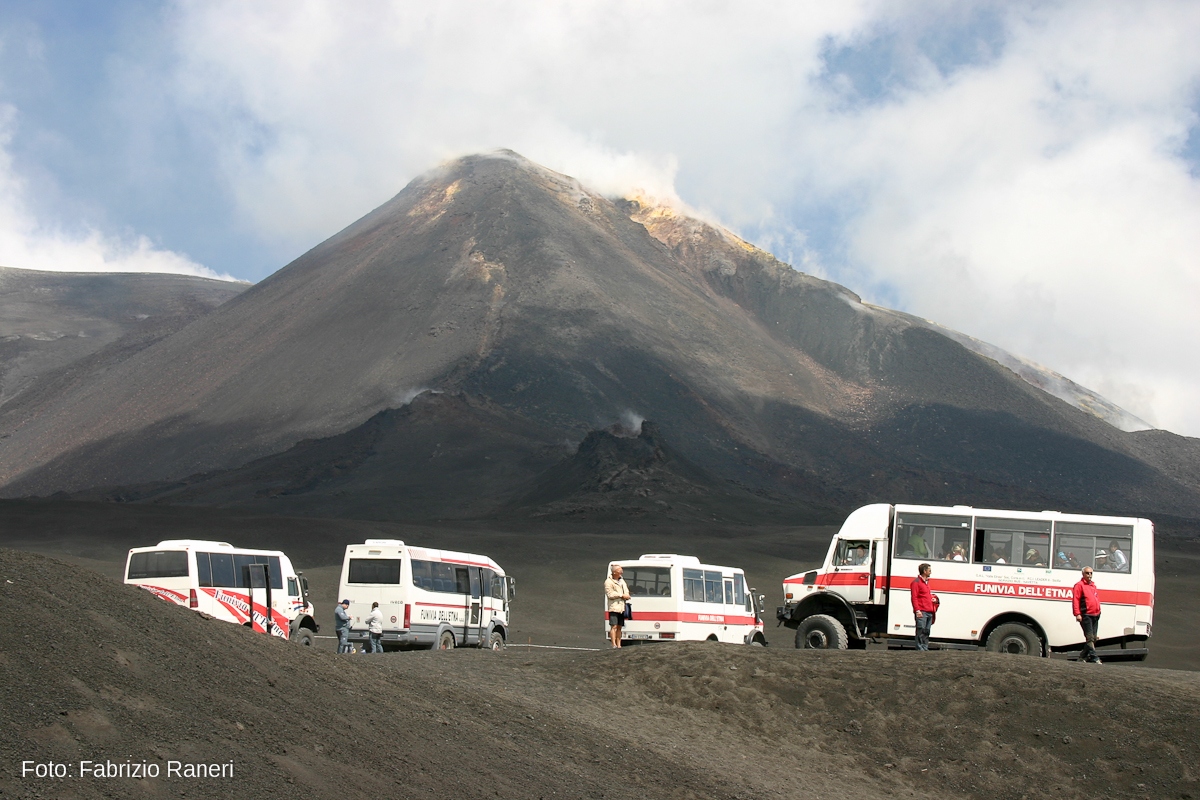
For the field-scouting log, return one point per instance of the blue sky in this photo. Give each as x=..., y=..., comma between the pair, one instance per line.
x=1026, y=173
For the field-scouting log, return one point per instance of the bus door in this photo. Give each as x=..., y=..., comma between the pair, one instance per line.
x=853, y=570
x=879, y=572
x=729, y=610
x=466, y=580
x=481, y=598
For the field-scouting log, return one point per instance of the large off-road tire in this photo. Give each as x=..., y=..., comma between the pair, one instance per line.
x=496, y=641
x=445, y=641
x=821, y=632
x=304, y=637
x=1015, y=639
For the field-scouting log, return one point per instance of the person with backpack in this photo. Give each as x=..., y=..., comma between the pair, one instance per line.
x=1085, y=602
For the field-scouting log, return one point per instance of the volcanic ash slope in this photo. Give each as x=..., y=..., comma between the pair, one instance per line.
x=116, y=674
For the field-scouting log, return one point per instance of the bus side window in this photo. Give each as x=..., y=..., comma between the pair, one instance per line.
x=923, y=537
x=240, y=561
x=222, y=569
x=462, y=583
x=693, y=585
x=1037, y=549
x=1103, y=547
x=713, y=591
x=1021, y=542
x=203, y=570
x=422, y=577
x=993, y=547
x=274, y=570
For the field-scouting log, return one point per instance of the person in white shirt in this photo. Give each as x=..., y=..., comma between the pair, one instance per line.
x=375, y=629
x=616, y=593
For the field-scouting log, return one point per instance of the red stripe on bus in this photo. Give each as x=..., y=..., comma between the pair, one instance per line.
x=842, y=578
x=1030, y=591
x=166, y=594
x=681, y=616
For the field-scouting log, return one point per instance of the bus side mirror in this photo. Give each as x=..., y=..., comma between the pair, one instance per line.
x=512, y=587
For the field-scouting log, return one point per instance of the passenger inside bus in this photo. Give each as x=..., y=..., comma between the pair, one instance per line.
x=1033, y=558
x=1066, y=560
x=1117, y=562
x=917, y=545
x=853, y=554
x=998, y=557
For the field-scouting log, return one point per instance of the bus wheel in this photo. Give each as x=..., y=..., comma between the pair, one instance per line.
x=446, y=641
x=496, y=641
x=1014, y=638
x=821, y=632
x=303, y=637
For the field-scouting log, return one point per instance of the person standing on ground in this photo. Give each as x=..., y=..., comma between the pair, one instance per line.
x=924, y=603
x=1085, y=602
x=341, y=625
x=616, y=593
x=375, y=629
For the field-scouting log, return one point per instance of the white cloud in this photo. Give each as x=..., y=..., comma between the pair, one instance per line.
x=27, y=243
x=322, y=111
x=1010, y=170
x=1040, y=202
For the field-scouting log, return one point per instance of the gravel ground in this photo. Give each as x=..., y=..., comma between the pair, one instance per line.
x=97, y=671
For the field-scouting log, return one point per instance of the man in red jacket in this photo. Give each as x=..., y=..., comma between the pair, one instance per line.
x=924, y=603
x=1085, y=602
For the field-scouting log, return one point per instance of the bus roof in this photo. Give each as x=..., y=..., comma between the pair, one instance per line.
x=203, y=544
x=1003, y=512
x=669, y=560
x=425, y=553
x=194, y=543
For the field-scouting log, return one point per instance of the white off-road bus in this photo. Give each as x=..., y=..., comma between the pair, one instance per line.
x=211, y=577
x=676, y=598
x=429, y=598
x=1004, y=579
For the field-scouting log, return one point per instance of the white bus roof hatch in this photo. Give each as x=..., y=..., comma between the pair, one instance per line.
x=193, y=543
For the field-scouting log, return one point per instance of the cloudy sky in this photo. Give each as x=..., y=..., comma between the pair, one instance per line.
x=1026, y=173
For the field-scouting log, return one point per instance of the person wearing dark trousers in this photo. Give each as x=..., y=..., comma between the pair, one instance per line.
x=341, y=625
x=1085, y=602
x=924, y=604
x=616, y=594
